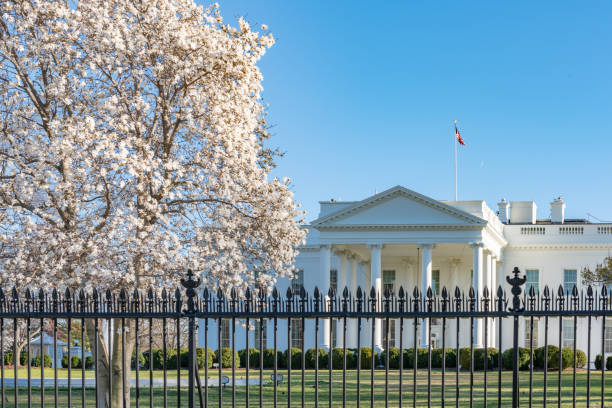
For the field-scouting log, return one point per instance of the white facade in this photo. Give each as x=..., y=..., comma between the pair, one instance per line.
x=402, y=238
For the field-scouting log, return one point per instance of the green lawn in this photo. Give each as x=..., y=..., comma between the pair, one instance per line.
x=351, y=391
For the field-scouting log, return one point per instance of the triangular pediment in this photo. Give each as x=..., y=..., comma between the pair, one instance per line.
x=398, y=206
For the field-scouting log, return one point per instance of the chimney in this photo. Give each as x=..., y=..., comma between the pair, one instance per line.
x=503, y=211
x=523, y=212
x=557, y=211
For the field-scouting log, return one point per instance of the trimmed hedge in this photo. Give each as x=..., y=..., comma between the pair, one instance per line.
x=76, y=361
x=422, y=358
x=226, y=357
x=338, y=358
x=310, y=358
x=598, y=359
x=36, y=361
x=524, y=358
x=366, y=358
x=479, y=358
x=296, y=358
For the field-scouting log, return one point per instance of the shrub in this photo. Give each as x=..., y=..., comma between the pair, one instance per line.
x=580, y=359
x=310, y=358
x=422, y=358
x=201, y=357
x=36, y=361
x=567, y=359
x=394, y=357
x=89, y=363
x=268, y=357
x=436, y=358
x=76, y=361
x=539, y=356
x=226, y=357
x=8, y=358
x=338, y=358
x=253, y=357
x=142, y=361
x=479, y=358
x=23, y=359
x=296, y=358
x=598, y=359
x=366, y=358
x=524, y=357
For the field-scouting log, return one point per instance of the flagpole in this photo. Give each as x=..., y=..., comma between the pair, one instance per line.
x=455, y=139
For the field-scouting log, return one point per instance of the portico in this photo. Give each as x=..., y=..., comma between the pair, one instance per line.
x=402, y=238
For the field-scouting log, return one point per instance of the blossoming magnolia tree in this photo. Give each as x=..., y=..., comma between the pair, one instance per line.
x=132, y=147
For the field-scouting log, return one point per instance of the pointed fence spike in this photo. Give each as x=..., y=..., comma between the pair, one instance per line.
x=604, y=291
x=316, y=293
x=457, y=292
x=373, y=292
x=122, y=295
x=67, y=294
x=274, y=293
x=590, y=291
x=500, y=292
x=400, y=293
x=219, y=293
x=546, y=291
x=574, y=291
x=387, y=292
x=150, y=293
x=485, y=292
x=415, y=292
x=136, y=294
x=531, y=291
x=302, y=292
x=359, y=293
x=331, y=292
x=206, y=294
x=560, y=291
x=444, y=292
x=345, y=292
x=429, y=292
x=14, y=293
x=177, y=294
x=234, y=293
x=247, y=294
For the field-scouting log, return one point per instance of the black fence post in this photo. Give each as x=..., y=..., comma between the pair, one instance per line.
x=516, y=309
x=190, y=284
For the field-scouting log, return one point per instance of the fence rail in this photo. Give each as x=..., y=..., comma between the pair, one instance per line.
x=389, y=383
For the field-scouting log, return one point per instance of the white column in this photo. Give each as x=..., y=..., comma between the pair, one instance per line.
x=477, y=283
x=351, y=341
x=342, y=283
x=376, y=282
x=325, y=262
x=486, y=282
x=493, y=299
x=455, y=282
x=425, y=284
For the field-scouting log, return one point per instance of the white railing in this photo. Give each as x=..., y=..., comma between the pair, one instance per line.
x=533, y=230
x=604, y=229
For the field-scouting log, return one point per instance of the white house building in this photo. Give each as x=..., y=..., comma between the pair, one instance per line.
x=400, y=237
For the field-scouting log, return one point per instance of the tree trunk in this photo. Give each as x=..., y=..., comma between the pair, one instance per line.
x=102, y=375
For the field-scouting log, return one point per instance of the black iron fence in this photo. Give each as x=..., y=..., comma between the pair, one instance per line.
x=356, y=377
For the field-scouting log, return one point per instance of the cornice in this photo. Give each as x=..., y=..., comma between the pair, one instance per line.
x=576, y=246
x=400, y=227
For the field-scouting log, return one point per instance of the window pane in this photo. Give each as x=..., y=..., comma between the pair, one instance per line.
x=388, y=281
x=608, y=336
x=568, y=332
x=297, y=333
x=333, y=279
x=528, y=332
x=435, y=281
x=569, y=280
x=297, y=281
x=533, y=280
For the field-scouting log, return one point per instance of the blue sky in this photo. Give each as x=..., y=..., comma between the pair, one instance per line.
x=363, y=94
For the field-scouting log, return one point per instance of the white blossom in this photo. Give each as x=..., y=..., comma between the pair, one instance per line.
x=132, y=147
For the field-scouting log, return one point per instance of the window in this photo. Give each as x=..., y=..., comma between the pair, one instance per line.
x=533, y=280
x=226, y=337
x=608, y=336
x=333, y=280
x=297, y=333
x=334, y=333
x=297, y=281
x=257, y=334
x=435, y=281
x=568, y=332
x=570, y=279
x=528, y=332
x=389, y=283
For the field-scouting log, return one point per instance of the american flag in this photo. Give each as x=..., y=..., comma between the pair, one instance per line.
x=458, y=135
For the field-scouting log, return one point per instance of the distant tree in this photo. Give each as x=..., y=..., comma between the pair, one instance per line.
x=602, y=275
